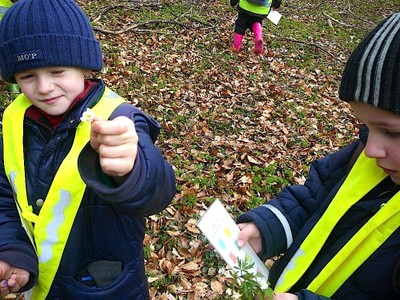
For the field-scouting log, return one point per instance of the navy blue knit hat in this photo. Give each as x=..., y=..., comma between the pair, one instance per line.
x=372, y=73
x=45, y=33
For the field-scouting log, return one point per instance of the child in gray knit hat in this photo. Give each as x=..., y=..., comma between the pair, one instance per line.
x=79, y=167
x=339, y=233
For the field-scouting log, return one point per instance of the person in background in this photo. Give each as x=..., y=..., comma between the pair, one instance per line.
x=250, y=16
x=339, y=233
x=79, y=167
x=4, y=5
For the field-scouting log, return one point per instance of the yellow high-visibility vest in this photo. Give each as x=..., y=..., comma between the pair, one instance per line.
x=255, y=8
x=363, y=177
x=4, y=5
x=49, y=230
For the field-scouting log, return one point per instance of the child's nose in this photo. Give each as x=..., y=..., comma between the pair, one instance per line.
x=44, y=85
x=375, y=147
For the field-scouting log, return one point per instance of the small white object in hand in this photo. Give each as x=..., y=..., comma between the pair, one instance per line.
x=88, y=115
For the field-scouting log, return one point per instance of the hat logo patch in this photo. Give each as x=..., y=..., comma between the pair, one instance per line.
x=28, y=56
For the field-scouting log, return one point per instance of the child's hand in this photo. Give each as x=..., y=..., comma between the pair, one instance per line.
x=250, y=233
x=11, y=279
x=285, y=296
x=116, y=143
x=280, y=296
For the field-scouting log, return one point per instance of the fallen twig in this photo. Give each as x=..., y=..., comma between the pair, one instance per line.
x=358, y=17
x=134, y=26
x=337, y=21
x=106, y=9
x=132, y=6
x=310, y=44
x=319, y=5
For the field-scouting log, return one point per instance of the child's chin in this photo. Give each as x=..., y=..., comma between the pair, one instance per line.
x=396, y=178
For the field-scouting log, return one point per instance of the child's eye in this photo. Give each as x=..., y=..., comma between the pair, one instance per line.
x=24, y=76
x=393, y=134
x=57, y=72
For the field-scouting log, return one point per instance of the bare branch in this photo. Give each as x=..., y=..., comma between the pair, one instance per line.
x=134, y=26
x=310, y=44
x=337, y=21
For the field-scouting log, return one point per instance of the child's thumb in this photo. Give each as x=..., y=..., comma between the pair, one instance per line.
x=241, y=243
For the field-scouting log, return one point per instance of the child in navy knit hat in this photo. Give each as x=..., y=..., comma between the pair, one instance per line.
x=340, y=231
x=80, y=169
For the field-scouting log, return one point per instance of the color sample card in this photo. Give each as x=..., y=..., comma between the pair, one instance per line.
x=222, y=232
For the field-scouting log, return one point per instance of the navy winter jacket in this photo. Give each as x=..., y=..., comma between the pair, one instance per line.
x=103, y=257
x=303, y=205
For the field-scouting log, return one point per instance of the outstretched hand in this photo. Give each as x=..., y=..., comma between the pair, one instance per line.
x=116, y=143
x=285, y=296
x=250, y=234
x=11, y=279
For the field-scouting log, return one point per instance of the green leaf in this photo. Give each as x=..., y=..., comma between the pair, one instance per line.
x=248, y=284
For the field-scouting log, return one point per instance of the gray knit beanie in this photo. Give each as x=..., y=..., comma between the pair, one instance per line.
x=372, y=73
x=46, y=33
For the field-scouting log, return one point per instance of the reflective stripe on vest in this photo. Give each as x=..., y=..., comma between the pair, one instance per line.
x=52, y=226
x=364, y=175
x=255, y=8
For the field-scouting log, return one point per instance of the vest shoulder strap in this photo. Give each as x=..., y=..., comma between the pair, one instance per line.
x=364, y=175
x=357, y=151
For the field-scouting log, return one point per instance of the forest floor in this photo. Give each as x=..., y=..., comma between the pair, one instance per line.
x=236, y=127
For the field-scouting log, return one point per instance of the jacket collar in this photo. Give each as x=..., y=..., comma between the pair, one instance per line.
x=88, y=98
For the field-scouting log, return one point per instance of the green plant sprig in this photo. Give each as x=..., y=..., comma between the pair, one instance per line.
x=248, y=284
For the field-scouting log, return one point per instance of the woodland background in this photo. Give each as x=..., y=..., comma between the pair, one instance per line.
x=236, y=126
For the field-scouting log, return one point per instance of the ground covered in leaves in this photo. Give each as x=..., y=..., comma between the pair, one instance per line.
x=236, y=126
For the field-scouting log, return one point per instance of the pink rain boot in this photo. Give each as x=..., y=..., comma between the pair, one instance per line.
x=237, y=41
x=258, y=41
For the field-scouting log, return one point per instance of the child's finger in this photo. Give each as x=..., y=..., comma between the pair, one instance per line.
x=117, y=126
x=4, y=289
x=248, y=230
x=18, y=280
x=116, y=167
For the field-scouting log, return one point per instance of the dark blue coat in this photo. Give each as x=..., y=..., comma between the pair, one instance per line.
x=303, y=205
x=109, y=227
